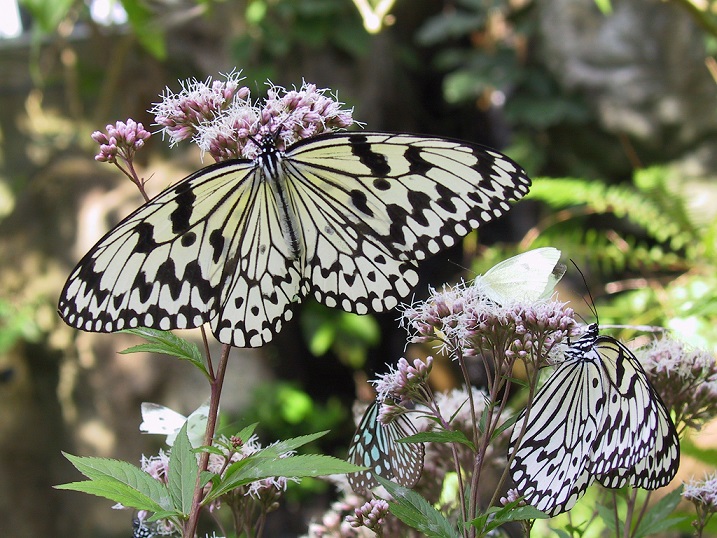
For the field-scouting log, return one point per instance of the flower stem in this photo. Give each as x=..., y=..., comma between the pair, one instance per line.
x=216, y=391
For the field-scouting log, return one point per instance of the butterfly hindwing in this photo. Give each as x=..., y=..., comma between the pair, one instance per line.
x=343, y=217
x=375, y=446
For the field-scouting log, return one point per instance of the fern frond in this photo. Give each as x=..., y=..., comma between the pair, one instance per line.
x=621, y=201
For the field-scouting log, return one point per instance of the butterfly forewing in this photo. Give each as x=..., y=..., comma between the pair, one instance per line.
x=345, y=217
x=375, y=445
x=549, y=464
x=632, y=427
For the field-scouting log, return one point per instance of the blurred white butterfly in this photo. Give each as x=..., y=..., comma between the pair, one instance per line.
x=162, y=420
x=530, y=276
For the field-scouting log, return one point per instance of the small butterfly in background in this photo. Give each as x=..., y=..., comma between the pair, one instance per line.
x=530, y=276
x=374, y=445
x=597, y=417
x=161, y=420
x=140, y=529
x=342, y=217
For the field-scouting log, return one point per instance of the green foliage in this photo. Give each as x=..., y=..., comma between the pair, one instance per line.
x=647, y=229
x=126, y=484
x=48, y=14
x=167, y=343
x=475, y=68
x=17, y=323
x=417, y=512
x=658, y=518
x=496, y=516
x=275, y=28
x=348, y=335
x=146, y=25
x=283, y=409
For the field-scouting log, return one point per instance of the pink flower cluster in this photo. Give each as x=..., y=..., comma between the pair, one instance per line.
x=122, y=139
x=221, y=119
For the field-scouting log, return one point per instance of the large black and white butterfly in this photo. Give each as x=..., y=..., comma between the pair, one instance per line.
x=343, y=217
x=375, y=446
x=597, y=417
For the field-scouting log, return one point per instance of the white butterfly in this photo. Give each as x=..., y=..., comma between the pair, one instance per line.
x=530, y=276
x=162, y=420
x=597, y=417
x=343, y=217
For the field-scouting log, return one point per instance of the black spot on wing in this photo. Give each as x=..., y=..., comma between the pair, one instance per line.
x=446, y=195
x=381, y=184
x=188, y=239
x=183, y=212
x=376, y=162
x=417, y=164
x=216, y=241
x=359, y=200
x=419, y=201
x=145, y=238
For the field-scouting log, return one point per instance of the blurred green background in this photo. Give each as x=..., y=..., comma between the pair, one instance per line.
x=610, y=106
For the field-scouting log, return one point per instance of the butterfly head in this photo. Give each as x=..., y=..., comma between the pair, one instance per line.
x=583, y=344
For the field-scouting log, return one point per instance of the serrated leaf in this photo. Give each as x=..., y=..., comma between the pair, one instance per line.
x=290, y=467
x=282, y=447
x=183, y=470
x=444, y=436
x=417, y=512
x=121, y=482
x=167, y=343
x=115, y=491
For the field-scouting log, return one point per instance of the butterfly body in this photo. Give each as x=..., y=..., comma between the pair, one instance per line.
x=597, y=417
x=344, y=218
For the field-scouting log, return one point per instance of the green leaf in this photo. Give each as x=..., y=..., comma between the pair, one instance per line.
x=183, y=470
x=120, y=482
x=256, y=468
x=507, y=424
x=417, y=512
x=166, y=343
x=146, y=27
x=444, y=436
x=657, y=519
x=282, y=447
x=47, y=14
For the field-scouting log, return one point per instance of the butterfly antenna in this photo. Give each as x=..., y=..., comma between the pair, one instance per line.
x=591, y=303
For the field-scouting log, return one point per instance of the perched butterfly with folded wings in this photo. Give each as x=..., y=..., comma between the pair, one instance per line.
x=375, y=445
x=158, y=419
x=529, y=276
x=597, y=417
x=342, y=217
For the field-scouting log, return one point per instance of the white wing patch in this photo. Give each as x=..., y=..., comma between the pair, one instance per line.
x=342, y=217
